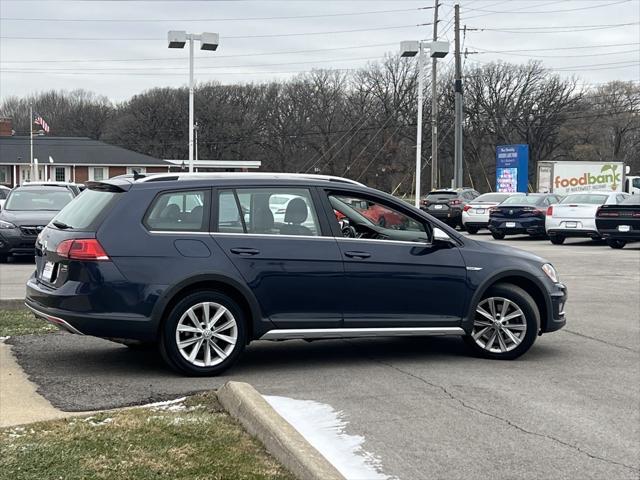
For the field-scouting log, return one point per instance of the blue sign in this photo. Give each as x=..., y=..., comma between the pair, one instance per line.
x=512, y=168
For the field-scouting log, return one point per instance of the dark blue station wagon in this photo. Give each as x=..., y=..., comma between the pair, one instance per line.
x=202, y=264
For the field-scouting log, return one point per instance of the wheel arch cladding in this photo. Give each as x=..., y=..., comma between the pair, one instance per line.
x=249, y=306
x=529, y=284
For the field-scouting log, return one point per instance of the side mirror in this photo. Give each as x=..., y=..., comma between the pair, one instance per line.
x=440, y=237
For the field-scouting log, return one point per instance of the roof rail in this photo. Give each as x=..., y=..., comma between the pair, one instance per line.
x=220, y=175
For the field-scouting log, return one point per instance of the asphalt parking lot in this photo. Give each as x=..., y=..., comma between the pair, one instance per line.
x=569, y=409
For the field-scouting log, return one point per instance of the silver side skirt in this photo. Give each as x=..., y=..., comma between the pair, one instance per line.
x=58, y=322
x=302, y=333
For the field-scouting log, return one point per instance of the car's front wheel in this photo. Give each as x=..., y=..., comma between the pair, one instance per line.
x=617, y=244
x=471, y=230
x=204, y=334
x=505, y=324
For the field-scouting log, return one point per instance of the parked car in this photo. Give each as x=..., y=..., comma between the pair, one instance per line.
x=202, y=282
x=521, y=214
x=76, y=188
x=4, y=193
x=475, y=214
x=575, y=215
x=27, y=210
x=447, y=204
x=619, y=224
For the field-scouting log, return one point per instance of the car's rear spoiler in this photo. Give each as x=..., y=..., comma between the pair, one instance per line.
x=112, y=185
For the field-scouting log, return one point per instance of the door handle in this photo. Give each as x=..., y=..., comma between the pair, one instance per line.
x=357, y=254
x=245, y=251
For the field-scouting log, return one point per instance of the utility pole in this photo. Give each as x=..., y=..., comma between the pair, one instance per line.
x=434, y=106
x=457, y=176
x=419, y=127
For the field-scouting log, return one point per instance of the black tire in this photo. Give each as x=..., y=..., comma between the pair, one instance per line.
x=557, y=239
x=472, y=230
x=168, y=343
x=529, y=309
x=498, y=235
x=4, y=258
x=617, y=244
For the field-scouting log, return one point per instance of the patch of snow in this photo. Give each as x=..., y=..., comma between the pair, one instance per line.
x=169, y=405
x=97, y=423
x=2, y=339
x=324, y=428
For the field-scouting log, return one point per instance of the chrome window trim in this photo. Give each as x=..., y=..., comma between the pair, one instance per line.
x=177, y=232
x=377, y=240
x=301, y=333
x=274, y=235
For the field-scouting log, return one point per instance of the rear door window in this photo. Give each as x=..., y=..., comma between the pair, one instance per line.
x=179, y=211
x=267, y=211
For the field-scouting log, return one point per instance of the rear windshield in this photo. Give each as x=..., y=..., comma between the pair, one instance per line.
x=38, y=199
x=491, y=197
x=439, y=195
x=521, y=200
x=85, y=209
x=585, y=198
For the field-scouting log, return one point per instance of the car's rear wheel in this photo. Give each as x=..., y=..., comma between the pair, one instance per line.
x=3, y=258
x=557, y=239
x=204, y=334
x=617, y=244
x=498, y=235
x=505, y=324
x=471, y=230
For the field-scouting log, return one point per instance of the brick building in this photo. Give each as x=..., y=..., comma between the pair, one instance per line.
x=70, y=159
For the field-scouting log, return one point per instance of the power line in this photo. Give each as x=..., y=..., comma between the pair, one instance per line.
x=226, y=37
x=600, y=54
x=562, y=48
x=165, y=59
x=556, y=29
x=601, y=5
x=231, y=19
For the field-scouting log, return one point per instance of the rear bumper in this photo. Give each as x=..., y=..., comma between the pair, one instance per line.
x=531, y=226
x=71, y=311
x=572, y=232
x=445, y=215
x=631, y=236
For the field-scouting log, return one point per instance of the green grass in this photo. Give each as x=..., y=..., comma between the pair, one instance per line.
x=193, y=440
x=22, y=322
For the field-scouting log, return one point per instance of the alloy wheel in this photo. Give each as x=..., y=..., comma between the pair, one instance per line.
x=206, y=334
x=499, y=325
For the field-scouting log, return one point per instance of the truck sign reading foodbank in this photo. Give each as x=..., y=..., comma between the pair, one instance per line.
x=584, y=179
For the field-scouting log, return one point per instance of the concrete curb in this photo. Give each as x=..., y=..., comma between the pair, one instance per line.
x=12, y=304
x=284, y=442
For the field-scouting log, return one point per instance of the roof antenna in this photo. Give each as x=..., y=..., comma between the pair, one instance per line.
x=137, y=175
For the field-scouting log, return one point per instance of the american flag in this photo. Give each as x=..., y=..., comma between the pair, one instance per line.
x=40, y=121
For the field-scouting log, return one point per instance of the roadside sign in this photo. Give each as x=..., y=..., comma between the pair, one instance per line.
x=512, y=168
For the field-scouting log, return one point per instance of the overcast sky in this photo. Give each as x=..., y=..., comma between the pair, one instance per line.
x=76, y=44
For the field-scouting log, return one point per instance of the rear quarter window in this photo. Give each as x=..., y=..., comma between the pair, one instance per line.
x=179, y=211
x=87, y=209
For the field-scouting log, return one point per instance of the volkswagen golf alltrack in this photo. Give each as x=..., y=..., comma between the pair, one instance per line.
x=200, y=265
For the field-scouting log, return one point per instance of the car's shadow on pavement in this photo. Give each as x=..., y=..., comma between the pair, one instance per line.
x=85, y=373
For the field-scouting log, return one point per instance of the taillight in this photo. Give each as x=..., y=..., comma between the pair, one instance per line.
x=455, y=202
x=635, y=214
x=540, y=212
x=466, y=208
x=82, y=249
x=604, y=213
x=549, y=211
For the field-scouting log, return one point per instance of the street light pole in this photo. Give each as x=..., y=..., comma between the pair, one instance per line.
x=419, y=127
x=434, y=105
x=208, y=41
x=191, y=108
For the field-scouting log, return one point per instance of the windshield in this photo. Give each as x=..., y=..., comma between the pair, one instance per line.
x=38, y=199
x=588, y=198
x=632, y=200
x=491, y=197
x=440, y=195
x=521, y=200
x=85, y=209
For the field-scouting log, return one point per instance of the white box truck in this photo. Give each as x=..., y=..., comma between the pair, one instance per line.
x=568, y=177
